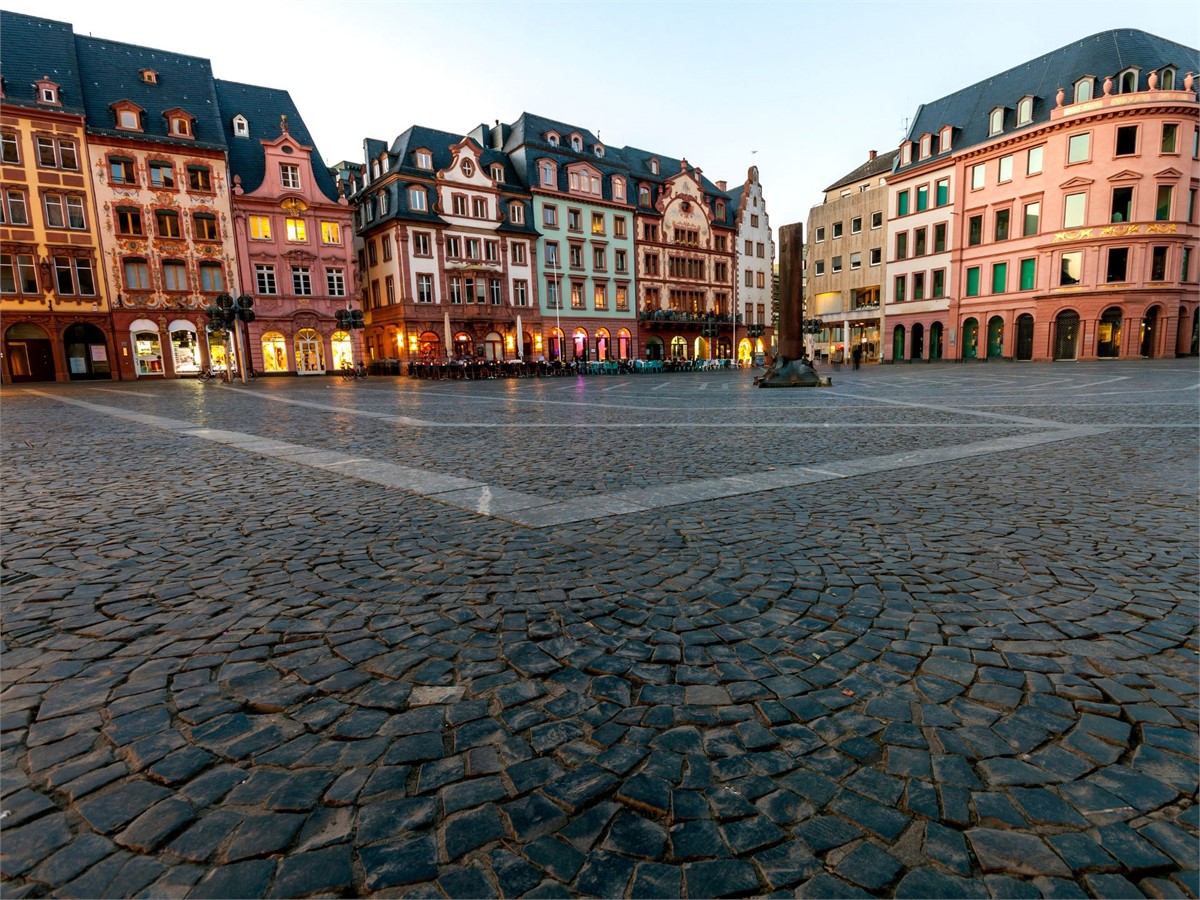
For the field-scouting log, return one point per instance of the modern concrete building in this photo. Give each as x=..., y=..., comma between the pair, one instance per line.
x=1068, y=187
x=847, y=261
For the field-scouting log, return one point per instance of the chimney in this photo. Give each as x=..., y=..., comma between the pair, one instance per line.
x=871, y=156
x=721, y=185
x=497, y=136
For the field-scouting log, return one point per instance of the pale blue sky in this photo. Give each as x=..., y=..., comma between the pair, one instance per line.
x=812, y=87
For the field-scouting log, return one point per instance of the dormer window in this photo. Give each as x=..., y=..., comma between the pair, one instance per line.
x=926, y=145
x=468, y=168
x=1128, y=82
x=996, y=121
x=905, y=153
x=497, y=172
x=654, y=167
x=179, y=123
x=149, y=76
x=374, y=168
x=1085, y=88
x=618, y=189
x=516, y=213
x=721, y=209
x=598, y=150
x=547, y=174
x=128, y=115
x=1025, y=111
x=241, y=127
x=424, y=159
x=1166, y=79
x=576, y=143
x=552, y=138
x=47, y=92
x=946, y=139
x=386, y=160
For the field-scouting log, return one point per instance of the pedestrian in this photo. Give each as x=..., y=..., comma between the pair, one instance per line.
x=856, y=355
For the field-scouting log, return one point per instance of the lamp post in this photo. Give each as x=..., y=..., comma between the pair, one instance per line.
x=812, y=327
x=558, y=341
x=228, y=313
x=351, y=320
x=709, y=330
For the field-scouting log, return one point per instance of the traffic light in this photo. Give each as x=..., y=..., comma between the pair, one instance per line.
x=356, y=319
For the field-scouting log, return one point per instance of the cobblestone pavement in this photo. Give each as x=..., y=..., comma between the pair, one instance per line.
x=930, y=632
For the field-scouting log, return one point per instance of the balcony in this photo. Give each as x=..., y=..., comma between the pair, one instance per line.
x=679, y=316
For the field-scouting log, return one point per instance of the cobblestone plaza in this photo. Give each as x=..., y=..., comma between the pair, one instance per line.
x=931, y=632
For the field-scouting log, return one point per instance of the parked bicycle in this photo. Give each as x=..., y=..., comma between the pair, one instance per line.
x=350, y=373
x=207, y=375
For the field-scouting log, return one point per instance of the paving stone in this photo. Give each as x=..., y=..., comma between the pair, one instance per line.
x=513, y=875
x=390, y=865
x=156, y=825
x=653, y=880
x=320, y=872
x=555, y=857
x=1081, y=853
x=108, y=811
x=720, y=878
x=1015, y=853
x=262, y=835
x=465, y=882
x=929, y=883
x=869, y=867
x=244, y=879
x=826, y=885
x=466, y=831
x=1129, y=848
x=604, y=874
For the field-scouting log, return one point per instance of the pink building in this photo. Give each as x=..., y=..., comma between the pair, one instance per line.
x=1027, y=226
x=294, y=236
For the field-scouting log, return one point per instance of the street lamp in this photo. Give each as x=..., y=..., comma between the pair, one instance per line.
x=709, y=330
x=227, y=312
x=351, y=320
x=812, y=327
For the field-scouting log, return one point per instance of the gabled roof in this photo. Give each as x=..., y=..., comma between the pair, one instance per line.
x=263, y=107
x=110, y=72
x=880, y=165
x=31, y=48
x=1100, y=55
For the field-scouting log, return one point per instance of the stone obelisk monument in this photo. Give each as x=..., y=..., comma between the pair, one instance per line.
x=789, y=368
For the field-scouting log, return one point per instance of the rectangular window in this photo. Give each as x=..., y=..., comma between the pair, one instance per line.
x=619, y=227
x=478, y=208
x=1033, y=217
x=818, y=267
x=1001, y=230
x=919, y=286
x=1118, y=265
x=876, y=220
x=1028, y=274
x=335, y=282
x=372, y=254
x=1162, y=204
x=923, y=198
x=1074, y=210
x=619, y=261
x=943, y=192
x=417, y=200
x=518, y=254
x=389, y=290
x=553, y=299
x=1079, y=148
x=818, y=237
x=574, y=220
x=1186, y=264
x=552, y=257
x=597, y=223
x=975, y=231
x=491, y=251
x=204, y=227
x=473, y=246
x=575, y=256
x=920, y=245
x=876, y=256
x=599, y=259
x=10, y=152
x=1191, y=208
x=264, y=277
x=837, y=264
x=301, y=281
x=1170, y=138
x=162, y=175
x=494, y=290
x=901, y=285
x=837, y=233
x=939, y=238
x=1033, y=165
x=577, y=296
x=174, y=276
x=137, y=275
x=600, y=297
x=331, y=233
x=521, y=293
x=199, y=179
x=761, y=250
x=260, y=228
x=902, y=245
x=421, y=244
x=1071, y=268
x=453, y=248
x=56, y=216
x=1127, y=140
x=296, y=230
x=424, y=288
x=856, y=225
x=973, y=281
x=855, y=260
x=211, y=279
x=129, y=221
x=999, y=278
x=459, y=204
x=18, y=212
x=121, y=171
x=902, y=203
x=1158, y=264
x=978, y=176
x=550, y=216
x=289, y=176
x=939, y=283
x=1006, y=169
x=622, y=299
x=1122, y=204
x=759, y=279
x=749, y=278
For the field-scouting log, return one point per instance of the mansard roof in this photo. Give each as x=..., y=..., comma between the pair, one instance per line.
x=111, y=71
x=32, y=48
x=880, y=165
x=1100, y=55
x=263, y=108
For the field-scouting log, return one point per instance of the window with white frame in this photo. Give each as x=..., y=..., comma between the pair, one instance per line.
x=424, y=159
x=335, y=282
x=1025, y=111
x=421, y=244
x=264, y=279
x=424, y=288
x=417, y=201
x=289, y=176
x=301, y=281
x=996, y=121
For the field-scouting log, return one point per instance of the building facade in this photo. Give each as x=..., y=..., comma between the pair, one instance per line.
x=294, y=237
x=847, y=262
x=54, y=304
x=754, y=286
x=1074, y=230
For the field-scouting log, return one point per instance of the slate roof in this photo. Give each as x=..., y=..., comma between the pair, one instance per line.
x=110, y=71
x=1100, y=55
x=31, y=47
x=880, y=165
x=263, y=107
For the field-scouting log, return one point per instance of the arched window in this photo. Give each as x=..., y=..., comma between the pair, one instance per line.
x=274, y=351
x=1025, y=111
x=1084, y=89
x=241, y=127
x=547, y=173
x=1166, y=80
x=618, y=189
x=579, y=340
x=552, y=139
x=1128, y=82
x=644, y=195
x=678, y=348
x=996, y=121
x=343, y=350
x=576, y=143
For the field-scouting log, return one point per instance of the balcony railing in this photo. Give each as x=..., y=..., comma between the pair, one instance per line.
x=679, y=315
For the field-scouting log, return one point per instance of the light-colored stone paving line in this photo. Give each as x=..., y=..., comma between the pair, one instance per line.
x=537, y=512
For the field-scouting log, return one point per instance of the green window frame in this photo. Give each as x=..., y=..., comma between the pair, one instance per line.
x=923, y=198
x=943, y=192
x=1028, y=273
x=999, y=278
x=973, y=281
x=902, y=203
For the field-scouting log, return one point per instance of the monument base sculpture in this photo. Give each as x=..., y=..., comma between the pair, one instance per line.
x=791, y=373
